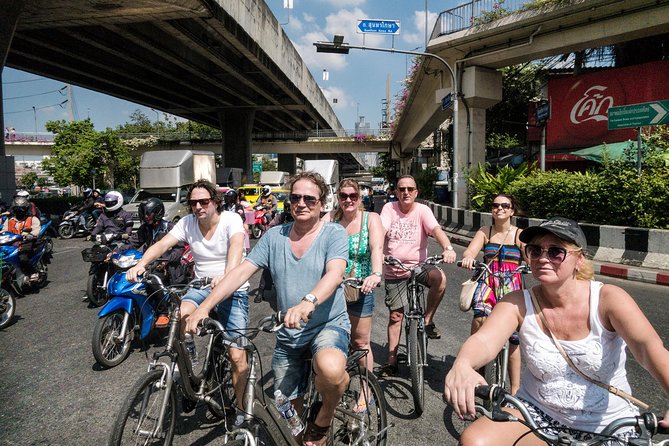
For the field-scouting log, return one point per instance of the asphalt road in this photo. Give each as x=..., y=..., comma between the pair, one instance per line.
x=52, y=392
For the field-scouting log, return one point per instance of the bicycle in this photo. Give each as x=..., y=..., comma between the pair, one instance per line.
x=264, y=424
x=148, y=415
x=497, y=371
x=414, y=325
x=646, y=423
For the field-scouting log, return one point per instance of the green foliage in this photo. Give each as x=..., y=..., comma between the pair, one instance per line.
x=28, y=179
x=425, y=179
x=80, y=154
x=484, y=186
x=386, y=168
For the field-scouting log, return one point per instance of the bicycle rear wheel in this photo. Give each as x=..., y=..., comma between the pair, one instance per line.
x=416, y=347
x=138, y=419
x=360, y=417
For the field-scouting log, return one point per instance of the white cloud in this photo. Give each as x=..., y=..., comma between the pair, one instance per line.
x=318, y=61
x=416, y=34
x=295, y=24
x=308, y=18
x=344, y=101
x=345, y=3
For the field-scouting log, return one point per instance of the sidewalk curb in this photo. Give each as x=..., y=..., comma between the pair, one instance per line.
x=605, y=269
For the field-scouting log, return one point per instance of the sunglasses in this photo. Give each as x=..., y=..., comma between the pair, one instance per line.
x=353, y=197
x=309, y=200
x=203, y=202
x=406, y=189
x=556, y=254
x=502, y=205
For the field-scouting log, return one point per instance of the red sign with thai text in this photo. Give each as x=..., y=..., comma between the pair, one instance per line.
x=580, y=104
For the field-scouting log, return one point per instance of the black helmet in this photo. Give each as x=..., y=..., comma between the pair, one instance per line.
x=20, y=206
x=151, y=210
x=88, y=192
x=231, y=196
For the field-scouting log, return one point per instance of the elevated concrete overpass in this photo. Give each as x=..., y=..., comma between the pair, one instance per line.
x=476, y=53
x=224, y=63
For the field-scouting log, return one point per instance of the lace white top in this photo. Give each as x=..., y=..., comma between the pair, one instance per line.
x=553, y=386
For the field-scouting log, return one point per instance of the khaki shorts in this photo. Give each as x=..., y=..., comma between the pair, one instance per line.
x=396, y=289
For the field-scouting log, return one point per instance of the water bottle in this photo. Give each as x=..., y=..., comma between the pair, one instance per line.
x=189, y=343
x=285, y=408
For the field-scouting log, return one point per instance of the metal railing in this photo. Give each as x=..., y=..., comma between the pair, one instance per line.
x=472, y=13
x=376, y=134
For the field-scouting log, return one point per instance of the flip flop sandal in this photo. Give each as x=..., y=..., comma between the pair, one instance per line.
x=315, y=434
x=363, y=406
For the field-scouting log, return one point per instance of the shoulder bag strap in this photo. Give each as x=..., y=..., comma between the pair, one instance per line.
x=614, y=390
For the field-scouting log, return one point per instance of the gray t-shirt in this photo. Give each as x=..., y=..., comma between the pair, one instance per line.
x=295, y=277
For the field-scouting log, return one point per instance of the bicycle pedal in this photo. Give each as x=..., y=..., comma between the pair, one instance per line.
x=402, y=358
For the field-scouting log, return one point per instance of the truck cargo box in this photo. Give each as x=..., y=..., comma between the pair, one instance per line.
x=175, y=168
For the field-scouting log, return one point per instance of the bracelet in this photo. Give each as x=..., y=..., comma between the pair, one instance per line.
x=377, y=274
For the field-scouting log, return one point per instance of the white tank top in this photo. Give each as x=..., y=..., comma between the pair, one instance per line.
x=552, y=385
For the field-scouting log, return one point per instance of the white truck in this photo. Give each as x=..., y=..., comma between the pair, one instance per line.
x=329, y=170
x=167, y=175
x=274, y=178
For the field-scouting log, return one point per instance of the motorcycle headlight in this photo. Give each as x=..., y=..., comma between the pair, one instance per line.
x=125, y=261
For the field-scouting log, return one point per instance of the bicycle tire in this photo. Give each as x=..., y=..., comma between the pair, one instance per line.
x=219, y=384
x=264, y=425
x=143, y=405
x=416, y=348
x=492, y=372
x=347, y=425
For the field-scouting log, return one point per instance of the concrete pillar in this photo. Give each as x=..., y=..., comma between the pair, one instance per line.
x=237, y=125
x=8, y=20
x=287, y=162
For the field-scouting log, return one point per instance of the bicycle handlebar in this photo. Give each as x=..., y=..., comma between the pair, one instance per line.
x=647, y=422
x=356, y=282
x=268, y=324
x=433, y=260
x=482, y=266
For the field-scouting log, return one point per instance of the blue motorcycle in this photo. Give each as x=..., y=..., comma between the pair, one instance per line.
x=14, y=245
x=130, y=314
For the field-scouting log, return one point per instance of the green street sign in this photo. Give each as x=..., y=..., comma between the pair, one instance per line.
x=257, y=166
x=639, y=115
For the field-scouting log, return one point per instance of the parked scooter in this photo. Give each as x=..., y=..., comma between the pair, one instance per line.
x=71, y=224
x=102, y=268
x=131, y=313
x=262, y=218
x=10, y=247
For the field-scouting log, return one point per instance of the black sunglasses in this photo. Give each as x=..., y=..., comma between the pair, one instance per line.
x=344, y=197
x=406, y=189
x=556, y=254
x=502, y=205
x=309, y=200
x=203, y=202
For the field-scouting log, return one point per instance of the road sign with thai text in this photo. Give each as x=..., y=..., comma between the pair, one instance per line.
x=639, y=115
x=257, y=166
x=378, y=26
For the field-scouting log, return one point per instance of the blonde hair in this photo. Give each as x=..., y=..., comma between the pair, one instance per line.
x=347, y=182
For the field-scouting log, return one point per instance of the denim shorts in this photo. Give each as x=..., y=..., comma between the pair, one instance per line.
x=396, y=289
x=233, y=312
x=291, y=364
x=364, y=307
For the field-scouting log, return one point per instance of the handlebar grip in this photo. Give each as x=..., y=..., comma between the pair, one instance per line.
x=482, y=392
x=459, y=263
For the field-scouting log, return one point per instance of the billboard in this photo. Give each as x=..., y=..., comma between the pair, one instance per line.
x=580, y=103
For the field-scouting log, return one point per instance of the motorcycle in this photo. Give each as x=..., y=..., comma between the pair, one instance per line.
x=262, y=218
x=7, y=308
x=10, y=247
x=131, y=313
x=70, y=224
x=47, y=231
x=101, y=269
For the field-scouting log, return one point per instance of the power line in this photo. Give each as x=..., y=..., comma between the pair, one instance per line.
x=28, y=80
x=38, y=108
x=60, y=90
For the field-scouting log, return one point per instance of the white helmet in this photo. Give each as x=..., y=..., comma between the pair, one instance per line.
x=113, y=201
x=23, y=193
x=266, y=190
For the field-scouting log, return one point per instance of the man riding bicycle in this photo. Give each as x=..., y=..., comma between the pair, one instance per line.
x=408, y=225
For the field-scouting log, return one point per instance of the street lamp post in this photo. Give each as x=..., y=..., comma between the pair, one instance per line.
x=35, y=114
x=338, y=46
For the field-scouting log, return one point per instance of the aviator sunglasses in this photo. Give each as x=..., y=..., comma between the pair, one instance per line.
x=406, y=189
x=309, y=200
x=344, y=197
x=555, y=254
x=502, y=205
x=203, y=202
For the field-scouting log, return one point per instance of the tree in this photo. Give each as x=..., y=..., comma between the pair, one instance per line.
x=28, y=180
x=80, y=154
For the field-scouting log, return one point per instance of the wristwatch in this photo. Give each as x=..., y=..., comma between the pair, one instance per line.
x=311, y=298
x=377, y=273
x=449, y=248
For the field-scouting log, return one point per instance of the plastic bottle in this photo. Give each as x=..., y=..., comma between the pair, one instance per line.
x=189, y=343
x=285, y=408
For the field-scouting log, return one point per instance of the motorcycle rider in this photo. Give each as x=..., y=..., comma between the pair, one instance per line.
x=34, y=211
x=18, y=223
x=151, y=212
x=86, y=207
x=232, y=203
x=114, y=220
x=268, y=200
x=98, y=204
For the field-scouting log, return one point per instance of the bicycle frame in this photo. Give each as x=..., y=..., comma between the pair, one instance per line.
x=415, y=310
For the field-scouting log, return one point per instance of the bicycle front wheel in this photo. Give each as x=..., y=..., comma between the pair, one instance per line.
x=416, y=346
x=360, y=417
x=139, y=422
x=495, y=373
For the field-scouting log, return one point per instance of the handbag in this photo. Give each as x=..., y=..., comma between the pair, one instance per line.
x=353, y=294
x=613, y=389
x=467, y=293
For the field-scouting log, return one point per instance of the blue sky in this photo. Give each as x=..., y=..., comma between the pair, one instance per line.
x=357, y=80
